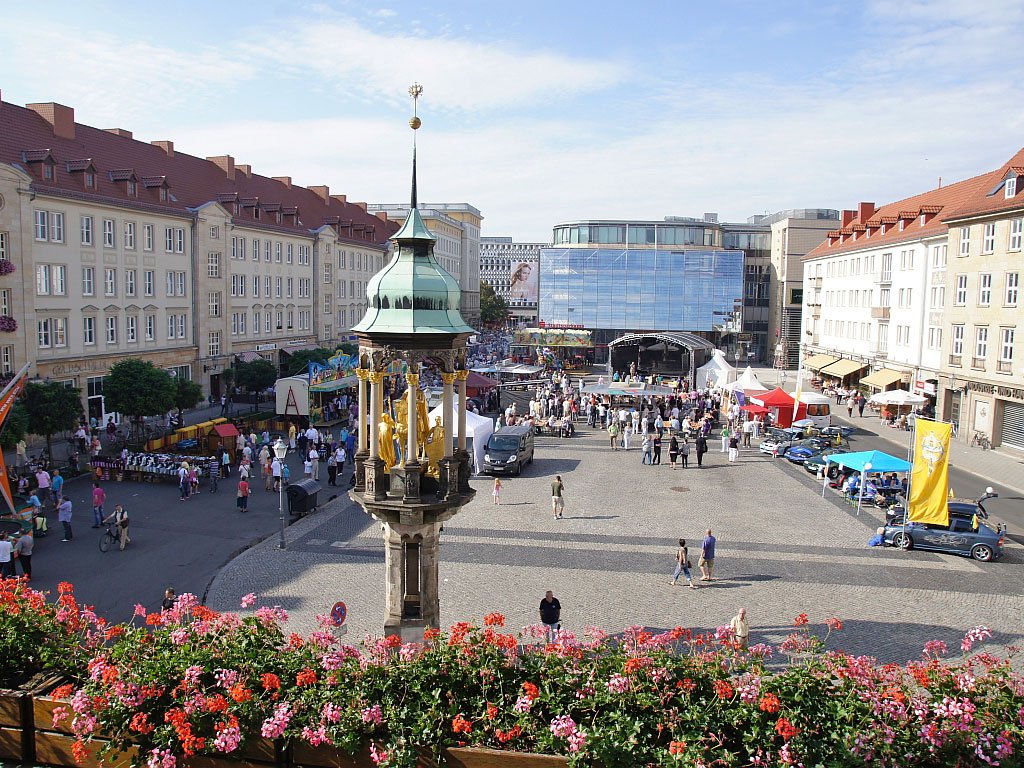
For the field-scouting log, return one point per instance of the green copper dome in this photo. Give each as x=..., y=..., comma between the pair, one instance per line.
x=413, y=293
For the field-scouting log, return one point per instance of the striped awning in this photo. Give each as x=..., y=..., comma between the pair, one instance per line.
x=817, y=362
x=882, y=378
x=842, y=368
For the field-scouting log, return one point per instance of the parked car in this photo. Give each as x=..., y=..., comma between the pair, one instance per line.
x=800, y=451
x=814, y=463
x=777, y=440
x=508, y=449
x=960, y=537
x=835, y=431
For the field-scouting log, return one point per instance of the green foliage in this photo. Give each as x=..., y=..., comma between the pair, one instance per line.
x=51, y=408
x=16, y=426
x=137, y=388
x=493, y=308
x=187, y=394
x=255, y=376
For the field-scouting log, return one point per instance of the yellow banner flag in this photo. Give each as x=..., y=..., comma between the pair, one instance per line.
x=929, y=478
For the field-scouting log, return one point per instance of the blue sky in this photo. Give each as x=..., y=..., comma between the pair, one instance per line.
x=540, y=112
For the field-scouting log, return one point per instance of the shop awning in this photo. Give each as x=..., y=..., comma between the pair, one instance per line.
x=842, y=368
x=817, y=362
x=882, y=378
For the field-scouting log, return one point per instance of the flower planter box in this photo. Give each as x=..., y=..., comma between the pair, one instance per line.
x=17, y=719
x=304, y=755
x=52, y=748
x=478, y=757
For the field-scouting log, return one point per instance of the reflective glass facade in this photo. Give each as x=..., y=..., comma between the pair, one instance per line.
x=641, y=289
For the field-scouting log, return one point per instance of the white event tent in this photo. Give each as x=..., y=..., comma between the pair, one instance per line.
x=478, y=429
x=747, y=382
x=716, y=372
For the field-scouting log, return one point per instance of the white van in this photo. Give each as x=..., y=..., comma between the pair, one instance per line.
x=818, y=408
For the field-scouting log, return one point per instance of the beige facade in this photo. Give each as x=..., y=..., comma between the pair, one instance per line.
x=982, y=376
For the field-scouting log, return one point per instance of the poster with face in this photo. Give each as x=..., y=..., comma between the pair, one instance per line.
x=523, y=285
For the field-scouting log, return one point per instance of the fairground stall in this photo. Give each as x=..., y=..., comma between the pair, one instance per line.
x=554, y=348
x=322, y=394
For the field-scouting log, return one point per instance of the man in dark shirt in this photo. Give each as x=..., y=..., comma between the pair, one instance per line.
x=551, y=615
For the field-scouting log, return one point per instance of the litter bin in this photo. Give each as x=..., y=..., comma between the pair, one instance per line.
x=302, y=496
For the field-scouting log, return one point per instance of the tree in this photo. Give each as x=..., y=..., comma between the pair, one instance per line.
x=299, y=361
x=16, y=426
x=256, y=376
x=493, y=308
x=52, y=408
x=187, y=394
x=137, y=388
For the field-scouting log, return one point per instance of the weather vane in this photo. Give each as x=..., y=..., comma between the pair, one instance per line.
x=415, y=90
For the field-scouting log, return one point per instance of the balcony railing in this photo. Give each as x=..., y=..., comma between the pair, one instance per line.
x=880, y=313
x=1004, y=366
x=978, y=363
x=956, y=360
x=884, y=277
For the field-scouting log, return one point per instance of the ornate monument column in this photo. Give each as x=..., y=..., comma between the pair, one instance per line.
x=362, y=436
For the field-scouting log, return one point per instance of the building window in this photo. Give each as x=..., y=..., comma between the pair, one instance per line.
x=267, y=322
x=965, y=241
x=129, y=282
x=256, y=322
x=960, y=299
x=129, y=235
x=1006, y=337
x=150, y=327
x=981, y=341
x=957, y=347
x=87, y=230
x=170, y=327
x=280, y=320
x=42, y=228
x=266, y=286
x=984, y=290
x=277, y=252
x=214, y=302
x=147, y=237
x=130, y=329
x=215, y=232
x=255, y=286
x=179, y=289
x=213, y=265
x=149, y=282
x=988, y=243
x=277, y=287
x=1016, y=234
x=50, y=279
x=1012, y=288
x=110, y=282
x=108, y=233
x=182, y=326
x=290, y=284
x=328, y=309
x=88, y=330
x=266, y=250
x=170, y=283
x=328, y=277
x=168, y=239
x=255, y=249
x=1011, y=187
x=213, y=344
x=111, y=330
x=934, y=338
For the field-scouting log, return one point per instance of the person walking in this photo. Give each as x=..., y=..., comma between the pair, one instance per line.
x=673, y=451
x=496, y=493
x=707, y=557
x=740, y=628
x=43, y=486
x=119, y=517
x=23, y=551
x=57, y=487
x=861, y=402
x=275, y=471
x=613, y=435
x=734, y=447
x=702, y=448
x=340, y=457
x=551, y=616
x=314, y=461
x=21, y=454
x=64, y=517
x=627, y=432
x=225, y=463
x=183, y=482
x=332, y=469
x=684, y=452
x=748, y=431
x=725, y=438
x=557, y=500
x=682, y=565
x=242, y=501
x=851, y=402
x=6, y=557
x=647, y=447
x=292, y=431
x=99, y=498
x=656, y=447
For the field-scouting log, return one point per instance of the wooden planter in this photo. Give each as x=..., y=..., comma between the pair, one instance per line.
x=17, y=720
x=478, y=757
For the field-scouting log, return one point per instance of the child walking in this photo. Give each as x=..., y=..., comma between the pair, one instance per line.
x=496, y=493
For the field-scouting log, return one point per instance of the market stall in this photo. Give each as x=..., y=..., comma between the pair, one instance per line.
x=570, y=348
x=220, y=438
x=148, y=467
x=780, y=404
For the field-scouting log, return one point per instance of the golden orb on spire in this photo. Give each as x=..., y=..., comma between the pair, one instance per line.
x=415, y=123
x=415, y=90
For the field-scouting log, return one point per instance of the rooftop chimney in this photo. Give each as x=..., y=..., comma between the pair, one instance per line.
x=286, y=180
x=166, y=146
x=119, y=132
x=324, y=192
x=865, y=211
x=246, y=170
x=361, y=205
x=382, y=215
x=61, y=118
x=339, y=198
x=226, y=163
x=847, y=217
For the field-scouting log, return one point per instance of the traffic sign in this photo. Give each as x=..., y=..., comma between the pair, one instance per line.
x=338, y=613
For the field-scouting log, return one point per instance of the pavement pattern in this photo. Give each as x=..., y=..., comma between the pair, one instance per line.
x=782, y=550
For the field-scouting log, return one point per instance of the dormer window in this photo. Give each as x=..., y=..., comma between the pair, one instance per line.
x=90, y=180
x=924, y=218
x=903, y=223
x=163, y=194
x=48, y=171
x=1011, y=187
x=131, y=188
x=127, y=177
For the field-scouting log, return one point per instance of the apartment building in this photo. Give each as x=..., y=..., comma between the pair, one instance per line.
x=112, y=247
x=982, y=389
x=512, y=269
x=457, y=229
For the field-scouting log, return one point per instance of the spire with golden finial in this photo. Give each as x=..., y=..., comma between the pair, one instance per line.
x=415, y=90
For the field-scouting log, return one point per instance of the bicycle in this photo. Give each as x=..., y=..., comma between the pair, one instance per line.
x=111, y=535
x=981, y=439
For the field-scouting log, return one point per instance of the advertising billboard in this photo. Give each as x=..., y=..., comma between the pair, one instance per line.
x=523, y=283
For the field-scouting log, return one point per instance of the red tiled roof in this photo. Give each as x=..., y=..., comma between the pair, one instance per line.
x=992, y=199
x=191, y=181
x=943, y=203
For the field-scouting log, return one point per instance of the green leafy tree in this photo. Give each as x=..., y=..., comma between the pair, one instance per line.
x=298, y=363
x=16, y=426
x=52, y=408
x=187, y=394
x=493, y=308
x=256, y=376
x=137, y=388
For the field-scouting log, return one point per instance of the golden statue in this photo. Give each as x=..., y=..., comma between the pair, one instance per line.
x=386, y=434
x=434, y=449
x=422, y=419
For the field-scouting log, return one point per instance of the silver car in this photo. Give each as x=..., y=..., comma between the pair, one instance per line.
x=960, y=537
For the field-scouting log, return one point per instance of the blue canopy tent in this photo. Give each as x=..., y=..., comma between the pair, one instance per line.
x=879, y=461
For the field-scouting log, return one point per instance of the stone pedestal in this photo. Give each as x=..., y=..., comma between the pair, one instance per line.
x=359, y=469
x=376, y=481
x=411, y=596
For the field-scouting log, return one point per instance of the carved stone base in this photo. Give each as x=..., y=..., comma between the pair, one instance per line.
x=449, y=477
x=376, y=483
x=412, y=482
x=358, y=468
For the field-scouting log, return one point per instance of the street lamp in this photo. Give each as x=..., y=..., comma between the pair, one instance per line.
x=863, y=477
x=280, y=450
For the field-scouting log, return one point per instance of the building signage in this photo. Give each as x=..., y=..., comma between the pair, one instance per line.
x=265, y=347
x=67, y=369
x=1016, y=393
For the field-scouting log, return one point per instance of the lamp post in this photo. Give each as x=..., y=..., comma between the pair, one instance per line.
x=863, y=478
x=281, y=450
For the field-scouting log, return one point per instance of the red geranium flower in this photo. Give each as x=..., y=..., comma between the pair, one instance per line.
x=494, y=620
x=677, y=747
x=723, y=690
x=240, y=693
x=786, y=729
x=461, y=724
x=801, y=620
x=305, y=677
x=835, y=624
x=492, y=711
x=530, y=690
x=770, y=703
x=270, y=681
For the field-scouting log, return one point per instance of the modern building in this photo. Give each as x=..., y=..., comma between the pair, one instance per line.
x=981, y=385
x=794, y=233
x=512, y=269
x=114, y=248
x=616, y=277
x=457, y=229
